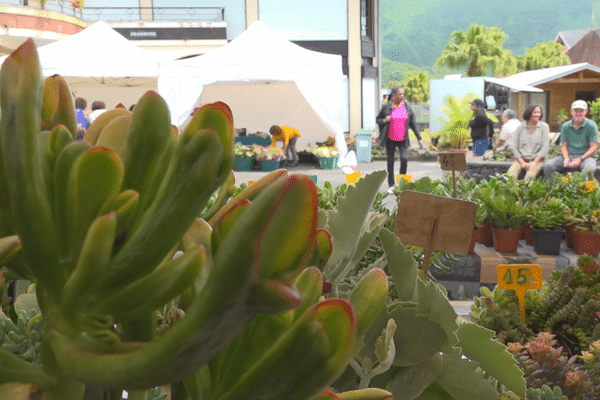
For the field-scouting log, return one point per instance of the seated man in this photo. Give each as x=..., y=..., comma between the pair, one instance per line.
x=579, y=142
x=510, y=123
x=288, y=136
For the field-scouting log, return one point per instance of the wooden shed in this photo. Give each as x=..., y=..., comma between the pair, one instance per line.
x=561, y=86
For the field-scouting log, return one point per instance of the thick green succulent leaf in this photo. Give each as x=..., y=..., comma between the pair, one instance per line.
x=125, y=205
x=199, y=234
x=114, y=135
x=15, y=369
x=9, y=247
x=479, y=345
x=92, y=262
x=211, y=321
x=312, y=353
x=310, y=286
x=222, y=227
x=401, y=265
x=417, y=337
x=197, y=168
x=94, y=179
x=249, y=193
x=346, y=224
x=58, y=105
x=410, y=382
x=155, y=289
x=368, y=298
x=460, y=378
x=65, y=162
x=95, y=129
x=298, y=219
x=23, y=167
x=148, y=146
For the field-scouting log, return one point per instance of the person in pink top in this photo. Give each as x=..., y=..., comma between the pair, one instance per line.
x=394, y=119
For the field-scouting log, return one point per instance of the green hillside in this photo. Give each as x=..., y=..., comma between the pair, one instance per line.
x=415, y=32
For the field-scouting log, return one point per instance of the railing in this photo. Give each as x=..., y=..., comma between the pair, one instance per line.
x=129, y=14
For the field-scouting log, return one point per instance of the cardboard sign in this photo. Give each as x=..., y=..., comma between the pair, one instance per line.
x=450, y=220
x=520, y=278
x=453, y=161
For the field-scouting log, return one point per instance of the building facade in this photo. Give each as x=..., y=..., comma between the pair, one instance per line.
x=349, y=28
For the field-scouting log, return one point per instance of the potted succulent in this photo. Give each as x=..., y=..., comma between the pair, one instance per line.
x=546, y=220
x=244, y=157
x=584, y=221
x=506, y=215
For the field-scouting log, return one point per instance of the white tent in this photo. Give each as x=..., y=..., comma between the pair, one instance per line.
x=98, y=63
x=266, y=80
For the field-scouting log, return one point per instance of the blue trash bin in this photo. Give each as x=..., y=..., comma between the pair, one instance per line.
x=364, y=141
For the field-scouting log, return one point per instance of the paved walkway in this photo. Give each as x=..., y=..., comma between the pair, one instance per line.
x=417, y=169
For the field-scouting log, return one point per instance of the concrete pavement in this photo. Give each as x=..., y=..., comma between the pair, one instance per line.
x=417, y=169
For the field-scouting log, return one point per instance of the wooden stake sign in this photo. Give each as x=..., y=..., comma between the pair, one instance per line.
x=453, y=162
x=520, y=278
x=435, y=223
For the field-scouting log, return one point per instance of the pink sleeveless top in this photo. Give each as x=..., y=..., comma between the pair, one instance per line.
x=398, y=123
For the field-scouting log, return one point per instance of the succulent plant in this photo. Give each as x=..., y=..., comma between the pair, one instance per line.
x=98, y=223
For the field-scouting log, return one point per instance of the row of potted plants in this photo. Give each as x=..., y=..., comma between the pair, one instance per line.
x=245, y=156
x=541, y=211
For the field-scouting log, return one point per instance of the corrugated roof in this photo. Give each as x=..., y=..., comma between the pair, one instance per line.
x=539, y=76
x=571, y=37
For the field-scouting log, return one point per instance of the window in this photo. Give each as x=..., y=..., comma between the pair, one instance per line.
x=366, y=18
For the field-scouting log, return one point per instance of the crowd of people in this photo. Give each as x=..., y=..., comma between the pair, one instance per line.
x=528, y=139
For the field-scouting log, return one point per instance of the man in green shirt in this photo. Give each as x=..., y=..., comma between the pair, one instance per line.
x=578, y=143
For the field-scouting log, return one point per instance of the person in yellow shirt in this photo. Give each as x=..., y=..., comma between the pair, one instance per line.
x=288, y=136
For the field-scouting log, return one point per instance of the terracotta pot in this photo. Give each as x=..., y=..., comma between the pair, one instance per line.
x=474, y=238
x=586, y=242
x=506, y=240
x=486, y=236
x=527, y=233
x=569, y=236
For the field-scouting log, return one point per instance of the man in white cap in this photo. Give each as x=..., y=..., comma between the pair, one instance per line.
x=578, y=143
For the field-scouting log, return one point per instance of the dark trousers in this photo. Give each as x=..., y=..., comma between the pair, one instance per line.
x=292, y=156
x=390, y=149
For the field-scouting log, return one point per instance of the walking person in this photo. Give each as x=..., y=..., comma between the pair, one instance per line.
x=531, y=143
x=578, y=143
x=394, y=119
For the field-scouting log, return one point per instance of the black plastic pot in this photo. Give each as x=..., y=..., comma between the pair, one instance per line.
x=547, y=242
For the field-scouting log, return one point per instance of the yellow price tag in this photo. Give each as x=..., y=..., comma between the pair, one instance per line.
x=520, y=278
x=407, y=178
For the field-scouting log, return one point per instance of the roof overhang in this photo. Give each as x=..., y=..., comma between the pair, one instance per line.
x=515, y=87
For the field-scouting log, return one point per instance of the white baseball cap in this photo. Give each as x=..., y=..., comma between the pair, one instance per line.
x=579, y=104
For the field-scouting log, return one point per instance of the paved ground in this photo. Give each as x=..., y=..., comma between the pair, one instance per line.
x=336, y=177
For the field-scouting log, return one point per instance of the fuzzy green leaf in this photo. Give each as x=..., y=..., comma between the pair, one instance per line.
x=479, y=345
x=346, y=223
x=401, y=265
x=462, y=381
x=409, y=382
